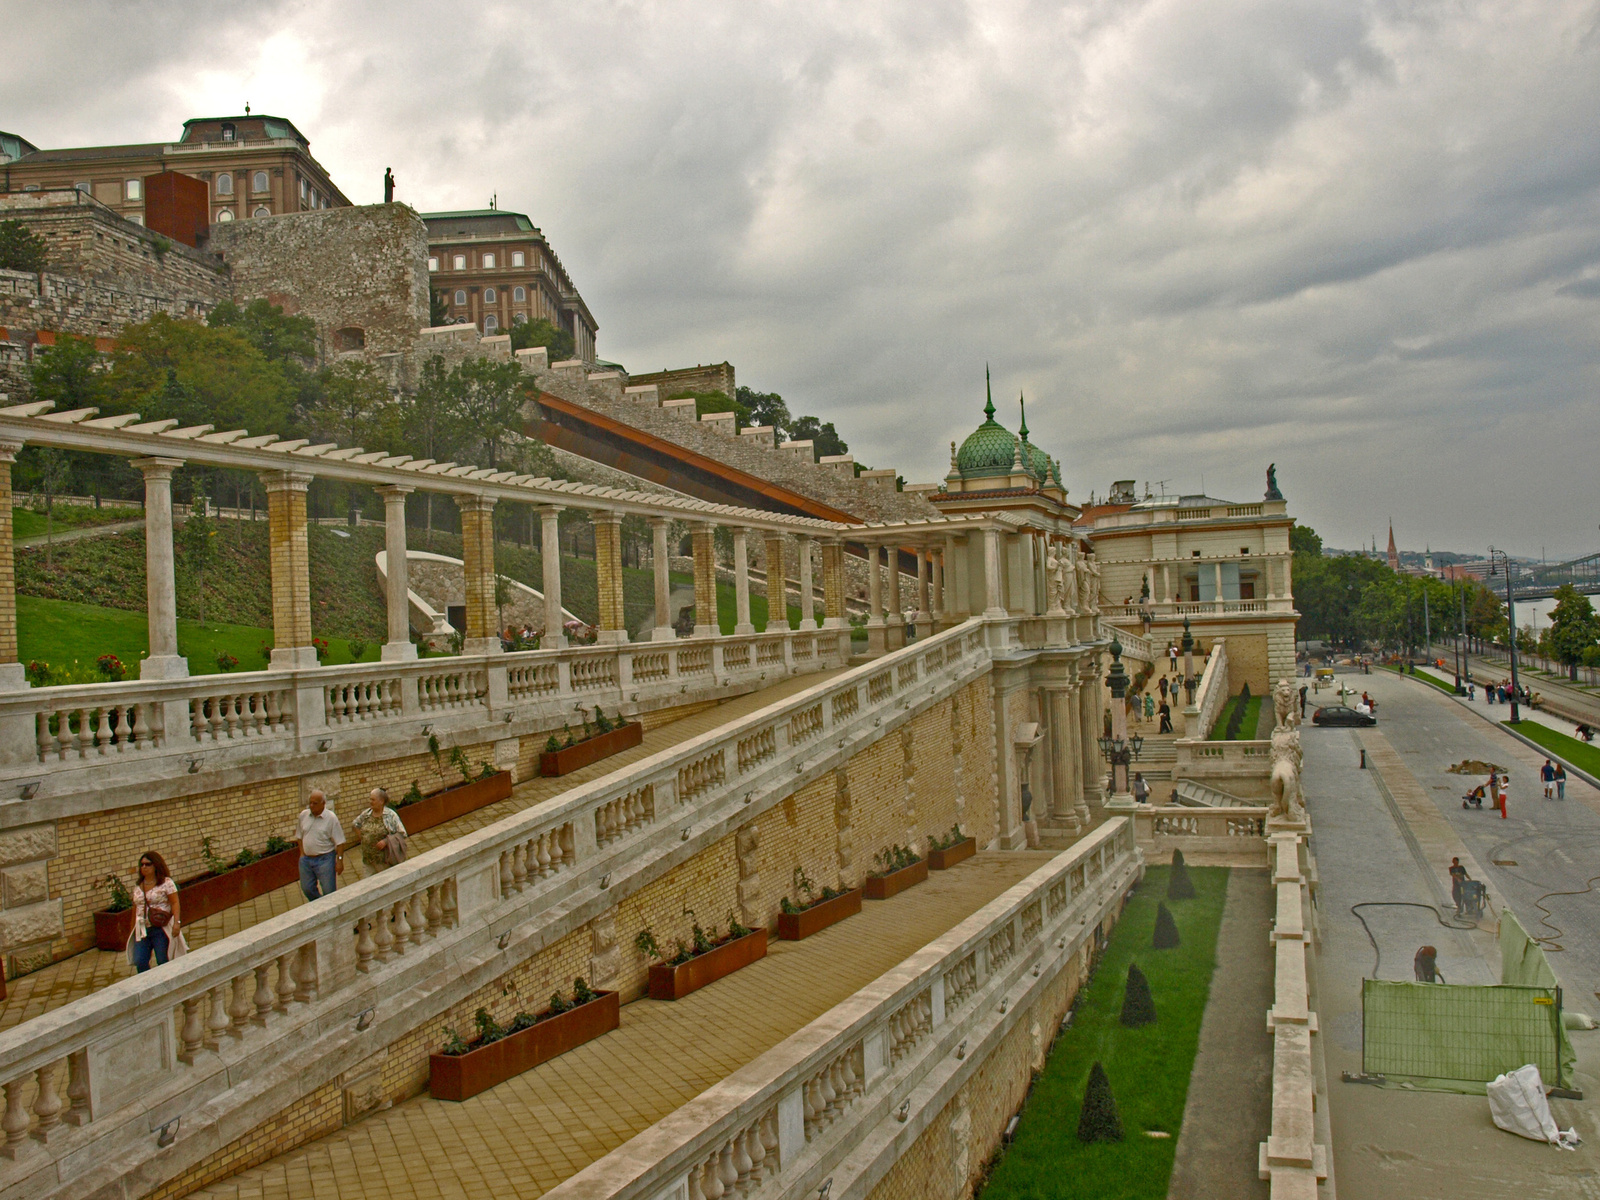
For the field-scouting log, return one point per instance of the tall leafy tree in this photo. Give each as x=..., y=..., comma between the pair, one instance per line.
x=1574, y=628
x=488, y=395
x=20, y=248
x=197, y=375
x=766, y=408
x=557, y=342
x=265, y=326
x=824, y=438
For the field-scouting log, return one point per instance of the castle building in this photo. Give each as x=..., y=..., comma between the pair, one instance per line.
x=495, y=269
x=252, y=166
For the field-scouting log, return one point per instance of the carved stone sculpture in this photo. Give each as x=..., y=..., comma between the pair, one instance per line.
x=1288, y=803
x=1284, y=705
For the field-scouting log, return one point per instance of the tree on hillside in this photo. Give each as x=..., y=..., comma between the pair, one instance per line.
x=1574, y=628
x=429, y=422
x=221, y=377
x=825, y=440
x=488, y=396
x=557, y=342
x=71, y=373
x=1328, y=593
x=1304, y=540
x=265, y=326
x=353, y=407
x=20, y=248
x=766, y=408
x=196, y=541
x=715, y=402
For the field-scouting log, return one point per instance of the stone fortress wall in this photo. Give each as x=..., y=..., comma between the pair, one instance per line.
x=718, y=377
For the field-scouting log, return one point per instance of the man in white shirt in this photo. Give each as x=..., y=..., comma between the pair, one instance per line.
x=321, y=835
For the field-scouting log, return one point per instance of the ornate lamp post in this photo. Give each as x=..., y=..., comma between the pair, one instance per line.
x=1511, y=626
x=1117, y=748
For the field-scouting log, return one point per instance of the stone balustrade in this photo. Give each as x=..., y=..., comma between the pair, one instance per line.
x=92, y=738
x=1210, y=694
x=830, y=1109
x=1237, y=832
x=232, y=1033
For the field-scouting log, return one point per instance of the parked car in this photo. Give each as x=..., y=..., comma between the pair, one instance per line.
x=1338, y=714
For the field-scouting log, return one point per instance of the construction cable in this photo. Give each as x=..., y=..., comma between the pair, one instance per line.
x=1550, y=942
x=1377, y=954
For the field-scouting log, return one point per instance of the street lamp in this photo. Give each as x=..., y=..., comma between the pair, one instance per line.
x=1118, y=749
x=1511, y=626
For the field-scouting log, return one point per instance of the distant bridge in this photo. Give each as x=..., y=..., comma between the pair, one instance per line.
x=1582, y=573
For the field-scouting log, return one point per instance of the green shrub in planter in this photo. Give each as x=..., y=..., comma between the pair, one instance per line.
x=1099, y=1121
x=1138, y=1007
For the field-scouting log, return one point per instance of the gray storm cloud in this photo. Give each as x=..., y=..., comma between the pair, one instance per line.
x=1362, y=240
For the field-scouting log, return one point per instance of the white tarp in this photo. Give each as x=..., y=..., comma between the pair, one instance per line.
x=1518, y=1105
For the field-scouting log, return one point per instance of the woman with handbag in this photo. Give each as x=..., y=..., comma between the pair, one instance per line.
x=157, y=934
x=382, y=833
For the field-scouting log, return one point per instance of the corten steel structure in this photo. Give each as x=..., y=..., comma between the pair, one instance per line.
x=252, y=165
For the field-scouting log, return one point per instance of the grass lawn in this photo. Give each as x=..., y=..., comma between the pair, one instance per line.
x=61, y=631
x=26, y=523
x=1148, y=1067
x=1426, y=677
x=1579, y=754
x=1247, y=727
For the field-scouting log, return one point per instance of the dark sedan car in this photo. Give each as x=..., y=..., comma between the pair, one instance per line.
x=1338, y=714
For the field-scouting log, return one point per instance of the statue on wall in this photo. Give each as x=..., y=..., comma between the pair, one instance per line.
x=1091, y=569
x=388, y=185
x=1272, y=483
x=1084, y=609
x=1052, y=577
x=1288, y=802
x=1284, y=706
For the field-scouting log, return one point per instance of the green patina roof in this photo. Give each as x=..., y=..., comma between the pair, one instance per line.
x=989, y=449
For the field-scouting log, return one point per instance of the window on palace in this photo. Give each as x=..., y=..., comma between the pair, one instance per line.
x=518, y=259
x=224, y=214
x=133, y=189
x=519, y=319
x=459, y=262
x=433, y=262
x=258, y=182
x=224, y=184
x=81, y=187
x=461, y=297
x=488, y=260
x=488, y=296
x=229, y=133
x=262, y=211
x=520, y=295
x=490, y=323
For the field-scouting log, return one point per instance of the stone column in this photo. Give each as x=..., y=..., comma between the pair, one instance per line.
x=994, y=606
x=477, y=559
x=161, y=592
x=895, y=622
x=1218, y=566
x=1065, y=789
x=741, y=583
x=1075, y=753
x=833, y=609
x=936, y=587
x=777, y=588
x=663, y=631
x=608, y=578
x=705, y=580
x=955, y=596
x=808, y=605
x=877, y=642
x=1090, y=707
x=12, y=676
x=399, y=647
x=291, y=569
x=924, y=609
x=550, y=556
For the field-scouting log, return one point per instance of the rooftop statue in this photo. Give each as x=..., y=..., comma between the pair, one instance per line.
x=1272, y=483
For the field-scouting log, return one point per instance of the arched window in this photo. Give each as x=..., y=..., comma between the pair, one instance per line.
x=488, y=261
x=224, y=214
x=459, y=262
x=519, y=319
x=518, y=259
x=262, y=211
x=461, y=298
x=519, y=295
x=491, y=323
x=258, y=182
x=224, y=184
x=351, y=337
x=488, y=296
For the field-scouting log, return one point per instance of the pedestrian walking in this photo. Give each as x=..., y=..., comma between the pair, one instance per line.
x=1172, y=658
x=321, y=836
x=1302, y=701
x=1561, y=781
x=1162, y=684
x=1166, y=718
x=1472, y=690
x=1458, y=876
x=1149, y=706
x=382, y=833
x=1547, y=773
x=157, y=935
x=1140, y=789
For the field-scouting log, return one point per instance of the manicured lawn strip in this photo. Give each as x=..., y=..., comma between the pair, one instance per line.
x=1426, y=677
x=1149, y=1067
x=26, y=523
x=1247, y=727
x=1579, y=754
x=59, y=631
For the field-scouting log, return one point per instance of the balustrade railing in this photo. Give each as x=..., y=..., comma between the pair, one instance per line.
x=775, y=1127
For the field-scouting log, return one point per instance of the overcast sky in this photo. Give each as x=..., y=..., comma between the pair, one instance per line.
x=1360, y=240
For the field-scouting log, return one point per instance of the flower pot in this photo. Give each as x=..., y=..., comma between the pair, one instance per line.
x=460, y=1076
x=208, y=895
x=794, y=926
x=113, y=929
x=674, y=983
x=455, y=802
x=590, y=750
x=881, y=887
x=943, y=860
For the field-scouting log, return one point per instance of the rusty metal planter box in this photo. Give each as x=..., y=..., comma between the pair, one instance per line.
x=591, y=750
x=794, y=926
x=674, y=983
x=943, y=860
x=460, y=1076
x=881, y=887
x=455, y=802
x=207, y=895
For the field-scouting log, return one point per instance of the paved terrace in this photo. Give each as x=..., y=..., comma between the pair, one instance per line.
x=78, y=976
x=529, y=1133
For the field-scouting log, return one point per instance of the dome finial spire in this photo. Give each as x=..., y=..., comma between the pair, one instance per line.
x=988, y=408
x=1023, y=402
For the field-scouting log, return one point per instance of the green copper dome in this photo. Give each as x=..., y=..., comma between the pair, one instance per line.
x=990, y=449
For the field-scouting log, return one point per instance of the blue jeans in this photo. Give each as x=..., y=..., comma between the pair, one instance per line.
x=316, y=871
x=155, y=945
x=1561, y=789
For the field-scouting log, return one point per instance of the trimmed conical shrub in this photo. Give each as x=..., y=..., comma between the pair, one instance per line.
x=1099, y=1121
x=1179, y=885
x=1138, y=1008
x=1166, y=929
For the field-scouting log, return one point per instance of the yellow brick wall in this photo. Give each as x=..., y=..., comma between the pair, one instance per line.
x=705, y=576
x=8, y=578
x=310, y=1117
x=608, y=571
x=1247, y=663
x=291, y=563
x=477, y=563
